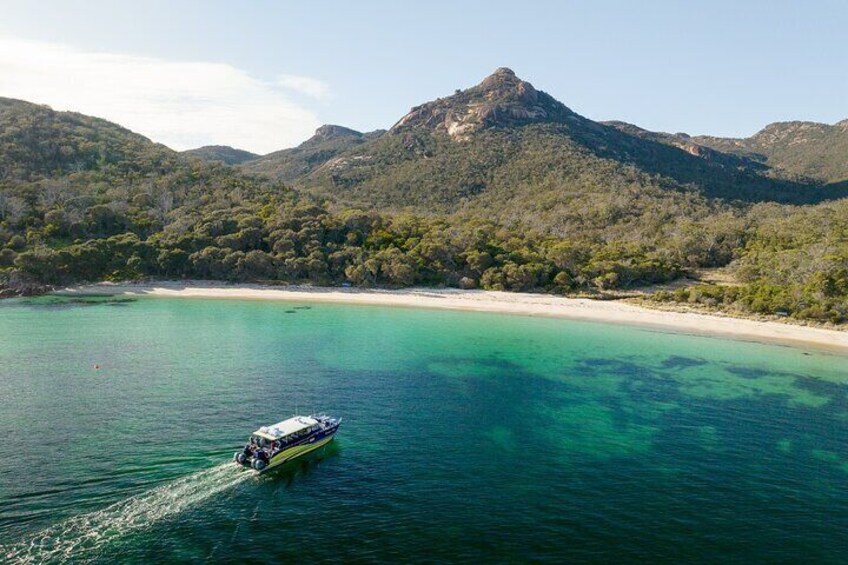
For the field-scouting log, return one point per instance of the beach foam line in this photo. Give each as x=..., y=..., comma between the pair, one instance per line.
x=83, y=537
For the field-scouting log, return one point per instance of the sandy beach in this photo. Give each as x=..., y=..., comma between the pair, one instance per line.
x=501, y=302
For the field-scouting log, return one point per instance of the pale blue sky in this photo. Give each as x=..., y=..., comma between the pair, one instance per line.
x=719, y=67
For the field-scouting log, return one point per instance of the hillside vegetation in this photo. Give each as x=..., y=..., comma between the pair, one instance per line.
x=36, y=142
x=497, y=187
x=796, y=149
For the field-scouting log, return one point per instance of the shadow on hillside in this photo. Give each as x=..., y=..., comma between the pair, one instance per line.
x=711, y=178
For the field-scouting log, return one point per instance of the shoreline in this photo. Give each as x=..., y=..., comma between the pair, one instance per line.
x=583, y=309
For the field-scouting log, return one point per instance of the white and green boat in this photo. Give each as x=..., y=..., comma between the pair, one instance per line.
x=271, y=446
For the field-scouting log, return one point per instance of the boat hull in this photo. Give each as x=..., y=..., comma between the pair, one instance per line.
x=296, y=451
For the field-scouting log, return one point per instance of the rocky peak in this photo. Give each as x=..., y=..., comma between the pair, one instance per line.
x=501, y=99
x=501, y=77
x=505, y=72
x=503, y=85
x=330, y=131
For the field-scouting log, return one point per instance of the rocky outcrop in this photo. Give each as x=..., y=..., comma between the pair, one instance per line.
x=13, y=288
x=330, y=131
x=501, y=99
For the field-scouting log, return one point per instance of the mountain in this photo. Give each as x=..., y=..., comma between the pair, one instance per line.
x=223, y=153
x=499, y=186
x=506, y=149
x=501, y=99
x=800, y=149
x=328, y=142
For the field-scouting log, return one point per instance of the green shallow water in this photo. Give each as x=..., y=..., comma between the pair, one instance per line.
x=466, y=437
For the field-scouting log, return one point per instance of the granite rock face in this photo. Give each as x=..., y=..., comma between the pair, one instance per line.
x=501, y=99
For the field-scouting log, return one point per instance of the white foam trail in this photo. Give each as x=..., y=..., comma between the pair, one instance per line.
x=83, y=536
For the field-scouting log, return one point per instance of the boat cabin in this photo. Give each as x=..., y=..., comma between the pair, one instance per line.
x=286, y=431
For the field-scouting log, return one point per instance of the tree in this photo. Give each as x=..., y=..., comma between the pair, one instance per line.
x=41, y=263
x=173, y=262
x=397, y=268
x=258, y=265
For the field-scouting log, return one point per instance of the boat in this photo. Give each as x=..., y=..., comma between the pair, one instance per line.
x=271, y=446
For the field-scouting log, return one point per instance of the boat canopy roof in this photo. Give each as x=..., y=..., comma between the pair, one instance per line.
x=286, y=427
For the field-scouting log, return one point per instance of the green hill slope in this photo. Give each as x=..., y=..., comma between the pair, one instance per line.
x=38, y=142
x=66, y=176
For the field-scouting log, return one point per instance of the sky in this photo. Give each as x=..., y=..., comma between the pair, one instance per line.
x=263, y=75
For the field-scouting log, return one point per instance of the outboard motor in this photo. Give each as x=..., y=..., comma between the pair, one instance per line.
x=242, y=456
x=260, y=460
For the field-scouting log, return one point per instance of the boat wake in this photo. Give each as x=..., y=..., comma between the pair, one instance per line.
x=83, y=537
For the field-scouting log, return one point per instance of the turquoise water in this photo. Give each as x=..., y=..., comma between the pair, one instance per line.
x=466, y=437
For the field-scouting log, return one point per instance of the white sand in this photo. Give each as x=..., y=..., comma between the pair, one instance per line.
x=503, y=302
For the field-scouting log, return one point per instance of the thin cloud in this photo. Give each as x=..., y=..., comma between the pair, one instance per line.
x=180, y=104
x=311, y=87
